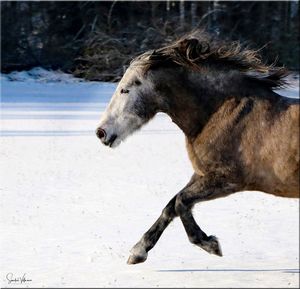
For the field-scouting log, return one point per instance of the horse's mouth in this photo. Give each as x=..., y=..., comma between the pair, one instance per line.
x=109, y=142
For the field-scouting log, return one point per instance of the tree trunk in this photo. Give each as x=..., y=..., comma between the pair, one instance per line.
x=193, y=13
x=181, y=14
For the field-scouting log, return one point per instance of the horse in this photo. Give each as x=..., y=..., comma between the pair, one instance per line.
x=240, y=134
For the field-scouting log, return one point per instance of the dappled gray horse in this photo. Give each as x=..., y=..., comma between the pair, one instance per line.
x=240, y=134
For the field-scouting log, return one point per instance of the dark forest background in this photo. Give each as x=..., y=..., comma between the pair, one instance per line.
x=96, y=40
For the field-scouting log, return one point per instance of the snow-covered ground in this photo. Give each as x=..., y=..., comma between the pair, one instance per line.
x=71, y=209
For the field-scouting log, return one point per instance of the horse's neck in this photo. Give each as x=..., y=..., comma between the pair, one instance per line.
x=190, y=116
x=195, y=102
x=203, y=95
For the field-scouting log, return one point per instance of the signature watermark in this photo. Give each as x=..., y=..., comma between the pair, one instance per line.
x=11, y=278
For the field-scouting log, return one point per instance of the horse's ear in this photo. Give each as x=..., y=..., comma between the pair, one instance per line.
x=193, y=48
x=189, y=44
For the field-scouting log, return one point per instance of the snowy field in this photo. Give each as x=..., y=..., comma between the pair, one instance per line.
x=71, y=209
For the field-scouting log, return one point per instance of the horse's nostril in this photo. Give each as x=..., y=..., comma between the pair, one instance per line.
x=100, y=133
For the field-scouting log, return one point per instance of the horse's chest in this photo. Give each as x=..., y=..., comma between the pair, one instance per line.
x=206, y=157
x=195, y=160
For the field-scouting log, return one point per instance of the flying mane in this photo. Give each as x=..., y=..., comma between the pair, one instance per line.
x=199, y=49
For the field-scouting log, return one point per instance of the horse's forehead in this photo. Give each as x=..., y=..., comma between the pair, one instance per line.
x=132, y=72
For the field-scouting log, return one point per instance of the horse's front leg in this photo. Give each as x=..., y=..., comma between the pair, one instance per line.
x=198, y=189
x=139, y=252
x=204, y=188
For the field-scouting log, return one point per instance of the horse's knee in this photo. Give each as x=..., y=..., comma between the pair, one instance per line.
x=181, y=204
x=169, y=212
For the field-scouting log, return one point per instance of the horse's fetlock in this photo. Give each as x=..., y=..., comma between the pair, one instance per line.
x=194, y=239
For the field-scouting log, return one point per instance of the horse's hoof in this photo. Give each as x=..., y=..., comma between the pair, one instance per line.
x=138, y=255
x=136, y=259
x=212, y=246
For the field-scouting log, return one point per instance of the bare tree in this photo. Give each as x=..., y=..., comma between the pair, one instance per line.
x=182, y=13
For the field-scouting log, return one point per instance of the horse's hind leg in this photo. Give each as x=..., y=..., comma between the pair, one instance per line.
x=201, y=189
x=140, y=250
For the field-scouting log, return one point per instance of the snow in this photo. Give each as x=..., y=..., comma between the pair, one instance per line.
x=292, y=90
x=71, y=209
x=39, y=74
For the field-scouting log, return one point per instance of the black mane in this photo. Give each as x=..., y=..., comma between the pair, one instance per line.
x=198, y=49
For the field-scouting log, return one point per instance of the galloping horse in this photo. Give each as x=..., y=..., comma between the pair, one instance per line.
x=240, y=134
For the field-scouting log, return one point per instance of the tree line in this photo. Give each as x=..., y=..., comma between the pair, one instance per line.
x=97, y=39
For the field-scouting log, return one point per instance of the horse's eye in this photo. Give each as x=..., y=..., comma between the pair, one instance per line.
x=124, y=90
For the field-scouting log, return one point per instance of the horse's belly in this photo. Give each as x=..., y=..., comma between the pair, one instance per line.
x=286, y=192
